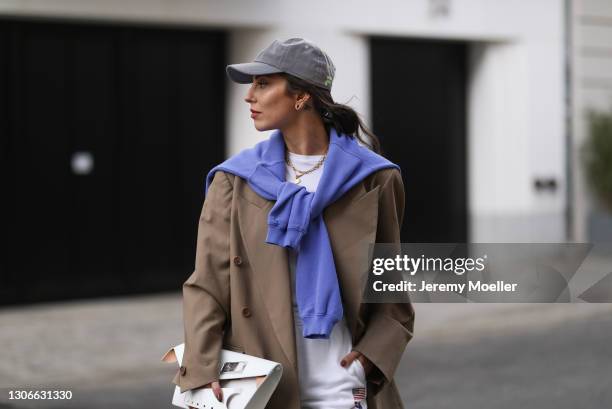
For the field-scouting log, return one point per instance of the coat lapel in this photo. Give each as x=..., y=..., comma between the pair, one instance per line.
x=270, y=267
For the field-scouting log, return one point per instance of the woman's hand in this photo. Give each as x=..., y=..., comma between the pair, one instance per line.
x=351, y=356
x=216, y=387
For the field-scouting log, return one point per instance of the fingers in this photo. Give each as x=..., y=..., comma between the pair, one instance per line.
x=216, y=387
x=350, y=357
x=366, y=363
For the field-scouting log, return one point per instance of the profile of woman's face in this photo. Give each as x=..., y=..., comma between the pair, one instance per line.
x=275, y=108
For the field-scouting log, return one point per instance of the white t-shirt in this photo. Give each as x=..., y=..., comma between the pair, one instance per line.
x=324, y=384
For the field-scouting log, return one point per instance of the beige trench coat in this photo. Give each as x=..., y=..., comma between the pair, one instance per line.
x=239, y=295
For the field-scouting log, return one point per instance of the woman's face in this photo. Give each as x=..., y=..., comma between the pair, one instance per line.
x=275, y=109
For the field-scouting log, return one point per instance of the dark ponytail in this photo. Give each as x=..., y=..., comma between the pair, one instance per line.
x=340, y=116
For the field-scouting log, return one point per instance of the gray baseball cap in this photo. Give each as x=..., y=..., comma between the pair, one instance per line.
x=296, y=56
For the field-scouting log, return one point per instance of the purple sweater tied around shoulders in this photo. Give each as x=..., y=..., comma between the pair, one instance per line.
x=296, y=220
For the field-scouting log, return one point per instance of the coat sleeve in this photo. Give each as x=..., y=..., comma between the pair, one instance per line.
x=390, y=325
x=206, y=291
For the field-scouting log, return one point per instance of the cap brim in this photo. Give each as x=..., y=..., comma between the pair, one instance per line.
x=243, y=73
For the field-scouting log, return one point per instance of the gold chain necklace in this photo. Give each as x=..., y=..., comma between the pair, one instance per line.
x=300, y=173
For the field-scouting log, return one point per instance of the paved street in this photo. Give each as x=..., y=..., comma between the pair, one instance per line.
x=107, y=352
x=510, y=356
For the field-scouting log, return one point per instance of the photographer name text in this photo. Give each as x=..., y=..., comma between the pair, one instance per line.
x=424, y=286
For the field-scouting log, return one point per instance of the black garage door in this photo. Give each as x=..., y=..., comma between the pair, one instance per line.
x=419, y=113
x=107, y=134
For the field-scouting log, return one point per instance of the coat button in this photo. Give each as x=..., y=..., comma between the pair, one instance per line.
x=237, y=260
x=246, y=312
x=183, y=370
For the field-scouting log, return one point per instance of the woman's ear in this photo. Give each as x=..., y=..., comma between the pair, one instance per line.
x=303, y=98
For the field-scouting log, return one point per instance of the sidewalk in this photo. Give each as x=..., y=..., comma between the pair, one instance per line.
x=107, y=351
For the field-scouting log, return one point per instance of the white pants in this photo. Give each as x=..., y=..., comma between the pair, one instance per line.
x=324, y=383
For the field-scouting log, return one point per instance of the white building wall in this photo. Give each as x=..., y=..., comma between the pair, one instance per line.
x=516, y=85
x=498, y=140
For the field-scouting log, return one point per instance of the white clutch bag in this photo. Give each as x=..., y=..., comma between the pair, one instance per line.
x=247, y=382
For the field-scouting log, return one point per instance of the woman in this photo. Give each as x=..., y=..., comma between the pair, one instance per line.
x=277, y=266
